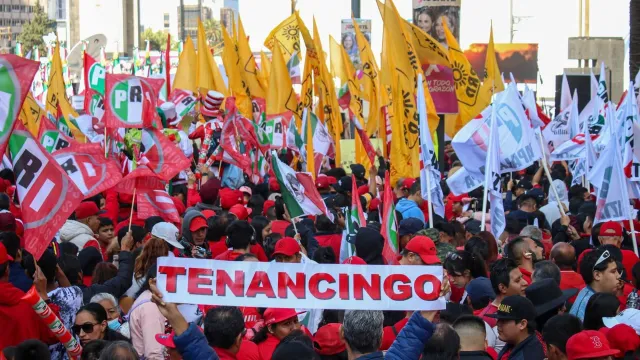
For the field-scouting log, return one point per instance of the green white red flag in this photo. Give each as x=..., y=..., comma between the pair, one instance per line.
x=391, y=249
x=130, y=101
x=51, y=138
x=354, y=220
x=47, y=195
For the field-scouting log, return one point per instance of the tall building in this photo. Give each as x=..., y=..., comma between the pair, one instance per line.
x=14, y=14
x=65, y=13
x=118, y=20
x=189, y=25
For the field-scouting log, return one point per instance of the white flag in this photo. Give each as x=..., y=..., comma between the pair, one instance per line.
x=492, y=174
x=428, y=160
x=565, y=93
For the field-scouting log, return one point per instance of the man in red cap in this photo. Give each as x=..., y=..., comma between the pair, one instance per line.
x=327, y=341
x=589, y=344
x=287, y=250
x=194, y=233
x=323, y=184
x=611, y=234
x=240, y=211
x=419, y=251
x=82, y=230
x=14, y=311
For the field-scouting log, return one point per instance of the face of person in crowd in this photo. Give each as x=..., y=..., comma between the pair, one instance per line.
x=93, y=223
x=284, y=328
x=607, y=280
x=519, y=191
x=87, y=328
x=535, y=249
x=246, y=198
x=440, y=27
x=457, y=207
x=411, y=259
x=347, y=42
x=294, y=259
x=105, y=234
x=445, y=238
x=517, y=283
x=199, y=235
x=425, y=23
x=103, y=202
x=111, y=309
x=266, y=231
x=460, y=280
x=509, y=330
x=404, y=240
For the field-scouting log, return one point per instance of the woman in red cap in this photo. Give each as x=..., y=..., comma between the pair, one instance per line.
x=278, y=323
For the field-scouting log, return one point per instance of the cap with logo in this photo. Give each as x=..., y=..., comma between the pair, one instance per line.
x=589, y=344
x=343, y=185
x=322, y=182
x=622, y=337
x=358, y=171
x=516, y=308
x=354, y=260
x=611, y=228
x=408, y=183
x=286, y=246
x=167, y=232
x=246, y=190
x=425, y=248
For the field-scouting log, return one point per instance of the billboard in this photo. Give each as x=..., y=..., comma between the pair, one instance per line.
x=519, y=59
x=429, y=15
x=348, y=39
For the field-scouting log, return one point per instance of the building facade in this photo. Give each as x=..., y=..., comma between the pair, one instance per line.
x=192, y=13
x=118, y=20
x=13, y=15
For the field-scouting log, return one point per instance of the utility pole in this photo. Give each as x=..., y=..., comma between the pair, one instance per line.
x=182, y=35
x=355, y=8
x=293, y=6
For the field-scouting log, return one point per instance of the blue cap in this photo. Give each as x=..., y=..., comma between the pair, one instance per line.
x=410, y=226
x=480, y=287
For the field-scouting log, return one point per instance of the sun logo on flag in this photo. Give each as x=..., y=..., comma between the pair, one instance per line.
x=460, y=74
x=290, y=32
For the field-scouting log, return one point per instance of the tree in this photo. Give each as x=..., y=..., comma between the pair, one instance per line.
x=213, y=30
x=158, y=39
x=634, y=38
x=34, y=30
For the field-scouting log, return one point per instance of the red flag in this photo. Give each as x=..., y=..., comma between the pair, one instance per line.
x=366, y=142
x=167, y=65
x=161, y=155
x=52, y=138
x=157, y=203
x=228, y=143
x=130, y=101
x=16, y=75
x=47, y=195
x=86, y=165
x=140, y=179
x=389, y=230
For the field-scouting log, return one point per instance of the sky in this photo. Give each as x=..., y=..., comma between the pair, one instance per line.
x=548, y=22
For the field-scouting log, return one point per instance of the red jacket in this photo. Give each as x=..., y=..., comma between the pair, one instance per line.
x=570, y=279
x=217, y=247
x=258, y=251
x=28, y=323
x=333, y=240
x=389, y=334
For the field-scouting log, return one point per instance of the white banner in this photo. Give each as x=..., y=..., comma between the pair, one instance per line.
x=302, y=286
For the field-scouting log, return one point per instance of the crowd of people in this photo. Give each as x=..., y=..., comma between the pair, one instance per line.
x=553, y=286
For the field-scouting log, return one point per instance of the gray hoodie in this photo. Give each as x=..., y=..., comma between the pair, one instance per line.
x=188, y=217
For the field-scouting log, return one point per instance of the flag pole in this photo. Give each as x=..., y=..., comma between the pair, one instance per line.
x=546, y=172
x=429, y=199
x=133, y=202
x=487, y=172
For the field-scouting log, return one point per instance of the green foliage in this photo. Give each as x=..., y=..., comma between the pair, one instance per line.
x=33, y=31
x=157, y=40
x=213, y=30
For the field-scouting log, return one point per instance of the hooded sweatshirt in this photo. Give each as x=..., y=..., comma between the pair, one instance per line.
x=186, y=233
x=27, y=324
x=369, y=244
x=77, y=233
x=409, y=209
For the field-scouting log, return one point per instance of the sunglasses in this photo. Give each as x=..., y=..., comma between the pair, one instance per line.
x=87, y=328
x=605, y=255
x=453, y=256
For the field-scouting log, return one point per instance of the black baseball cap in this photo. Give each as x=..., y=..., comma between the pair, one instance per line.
x=410, y=226
x=537, y=194
x=343, y=185
x=358, y=171
x=524, y=184
x=516, y=308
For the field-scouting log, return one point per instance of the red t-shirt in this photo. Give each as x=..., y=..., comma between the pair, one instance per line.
x=228, y=255
x=258, y=251
x=389, y=334
x=279, y=226
x=217, y=247
x=570, y=279
x=267, y=347
x=248, y=351
x=251, y=316
x=490, y=309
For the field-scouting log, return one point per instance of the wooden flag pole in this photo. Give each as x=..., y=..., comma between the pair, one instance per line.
x=548, y=174
x=133, y=202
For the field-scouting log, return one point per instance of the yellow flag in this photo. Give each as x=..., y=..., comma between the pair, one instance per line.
x=237, y=83
x=470, y=100
x=265, y=70
x=57, y=97
x=340, y=67
x=280, y=97
x=248, y=64
x=311, y=161
x=287, y=34
x=355, y=109
x=205, y=63
x=310, y=66
x=399, y=156
x=31, y=113
x=369, y=80
x=428, y=49
x=185, y=75
x=218, y=81
x=492, y=80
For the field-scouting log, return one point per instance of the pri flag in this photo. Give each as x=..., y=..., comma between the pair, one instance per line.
x=354, y=220
x=389, y=225
x=16, y=74
x=157, y=203
x=161, y=155
x=51, y=138
x=130, y=101
x=298, y=190
x=87, y=167
x=47, y=195
x=94, y=79
x=184, y=103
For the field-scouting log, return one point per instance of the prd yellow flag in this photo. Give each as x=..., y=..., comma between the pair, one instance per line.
x=470, y=100
x=399, y=156
x=248, y=64
x=428, y=49
x=280, y=97
x=355, y=109
x=287, y=34
x=369, y=81
x=30, y=114
x=265, y=70
x=56, y=96
x=328, y=108
x=237, y=83
x=185, y=75
x=311, y=66
x=205, y=63
x=492, y=80
x=308, y=136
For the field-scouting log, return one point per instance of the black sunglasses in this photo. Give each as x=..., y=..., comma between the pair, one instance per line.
x=87, y=328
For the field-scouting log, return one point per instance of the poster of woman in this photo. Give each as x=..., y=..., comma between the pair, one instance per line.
x=431, y=15
x=348, y=39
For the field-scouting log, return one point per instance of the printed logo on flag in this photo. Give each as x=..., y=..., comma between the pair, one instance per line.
x=96, y=107
x=53, y=141
x=294, y=187
x=127, y=100
x=97, y=77
x=9, y=106
x=85, y=170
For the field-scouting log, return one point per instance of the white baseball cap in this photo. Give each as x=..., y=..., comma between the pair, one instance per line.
x=167, y=232
x=630, y=317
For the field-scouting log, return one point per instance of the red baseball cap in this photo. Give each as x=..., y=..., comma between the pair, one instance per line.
x=267, y=205
x=322, y=182
x=229, y=197
x=7, y=221
x=611, y=228
x=241, y=212
x=425, y=248
x=208, y=213
x=327, y=340
x=622, y=337
x=4, y=257
x=408, y=183
x=457, y=198
x=286, y=246
x=373, y=205
x=363, y=190
x=274, y=316
x=274, y=185
x=198, y=223
x=354, y=260
x=589, y=344
x=246, y=189
x=166, y=340
x=86, y=209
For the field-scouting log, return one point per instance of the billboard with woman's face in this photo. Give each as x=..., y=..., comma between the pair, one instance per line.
x=430, y=15
x=348, y=39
